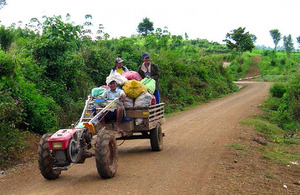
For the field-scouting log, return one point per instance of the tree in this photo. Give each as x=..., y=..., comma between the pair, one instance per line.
x=145, y=27
x=288, y=44
x=186, y=36
x=87, y=32
x=6, y=38
x=242, y=41
x=276, y=36
x=2, y=3
x=298, y=40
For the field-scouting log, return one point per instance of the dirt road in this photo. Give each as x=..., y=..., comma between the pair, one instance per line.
x=194, y=142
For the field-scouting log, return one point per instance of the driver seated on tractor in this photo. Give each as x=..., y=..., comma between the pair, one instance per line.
x=116, y=112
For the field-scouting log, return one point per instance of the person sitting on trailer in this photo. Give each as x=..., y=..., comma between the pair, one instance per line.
x=119, y=67
x=116, y=112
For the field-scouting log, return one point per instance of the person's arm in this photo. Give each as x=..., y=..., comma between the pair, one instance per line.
x=142, y=74
x=122, y=96
x=103, y=95
x=155, y=73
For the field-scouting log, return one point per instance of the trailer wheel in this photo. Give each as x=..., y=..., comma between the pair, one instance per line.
x=46, y=159
x=156, y=138
x=106, y=154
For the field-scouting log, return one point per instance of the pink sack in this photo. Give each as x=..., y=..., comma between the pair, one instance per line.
x=105, y=87
x=153, y=100
x=130, y=75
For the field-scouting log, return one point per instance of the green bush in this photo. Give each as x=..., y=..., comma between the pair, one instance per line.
x=11, y=139
x=7, y=64
x=293, y=95
x=238, y=70
x=283, y=108
x=277, y=90
x=39, y=111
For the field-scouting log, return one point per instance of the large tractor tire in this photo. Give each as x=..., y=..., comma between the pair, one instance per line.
x=156, y=138
x=106, y=154
x=46, y=159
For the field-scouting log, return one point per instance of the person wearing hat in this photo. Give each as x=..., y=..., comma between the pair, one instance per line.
x=119, y=67
x=117, y=112
x=150, y=70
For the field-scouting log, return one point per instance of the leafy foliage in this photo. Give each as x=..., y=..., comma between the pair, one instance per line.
x=240, y=41
x=276, y=36
x=278, y=68
x=284, y=107
x=288, y=44
x=298, y=40
x=2, y=3
x=239, y=69
x=6, y=38
x=277, y=90
x=145, y=27
x=7, y=65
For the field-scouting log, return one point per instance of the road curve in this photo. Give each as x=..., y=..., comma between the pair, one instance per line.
x=193, y=144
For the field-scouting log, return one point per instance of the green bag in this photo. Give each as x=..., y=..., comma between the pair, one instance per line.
x=97, y=91
x=149, y=83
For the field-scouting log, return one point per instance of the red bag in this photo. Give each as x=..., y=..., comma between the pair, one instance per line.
x=153, y=100
x=105, y=87
x=130, y=75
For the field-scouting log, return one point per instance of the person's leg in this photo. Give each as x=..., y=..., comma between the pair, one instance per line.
x=110, y=116
x=102, y=122
x=156, y=94
x=105, y=119
x=120, y=114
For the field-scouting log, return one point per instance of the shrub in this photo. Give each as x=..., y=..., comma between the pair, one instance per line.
x=39, y=110
x=10, y=119
x=273, y=62
x=277, y=90
x=6, y=64
x=293, y=95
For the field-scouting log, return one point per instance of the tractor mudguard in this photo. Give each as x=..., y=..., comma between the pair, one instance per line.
x=63, y=136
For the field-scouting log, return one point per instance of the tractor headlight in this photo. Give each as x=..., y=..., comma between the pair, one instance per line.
x=57, y=145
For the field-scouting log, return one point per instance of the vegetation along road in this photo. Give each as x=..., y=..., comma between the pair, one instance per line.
x=194, y=145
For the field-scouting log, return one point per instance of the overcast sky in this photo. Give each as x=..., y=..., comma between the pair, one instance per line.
x=204, y=19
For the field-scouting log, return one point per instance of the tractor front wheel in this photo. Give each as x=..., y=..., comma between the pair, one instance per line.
x=46, y=159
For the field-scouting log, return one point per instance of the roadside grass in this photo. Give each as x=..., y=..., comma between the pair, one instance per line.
x=269, y=176
x=272, y=78
x=280, y=148
x=22, y=152
x=281, y=154
x=240, y=147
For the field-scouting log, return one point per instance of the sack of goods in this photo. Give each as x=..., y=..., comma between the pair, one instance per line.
x=116, y=77
x=98, y=91
x=150, y=84
x=129, y=102
x=130, y=75
x=133, y=88
x=143, y=100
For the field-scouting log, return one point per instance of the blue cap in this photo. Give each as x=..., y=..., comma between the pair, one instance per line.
x=145, y=55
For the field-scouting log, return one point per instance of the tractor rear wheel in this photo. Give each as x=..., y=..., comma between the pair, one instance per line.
x=106, y=154
x=46, y=159
x=156, y=138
